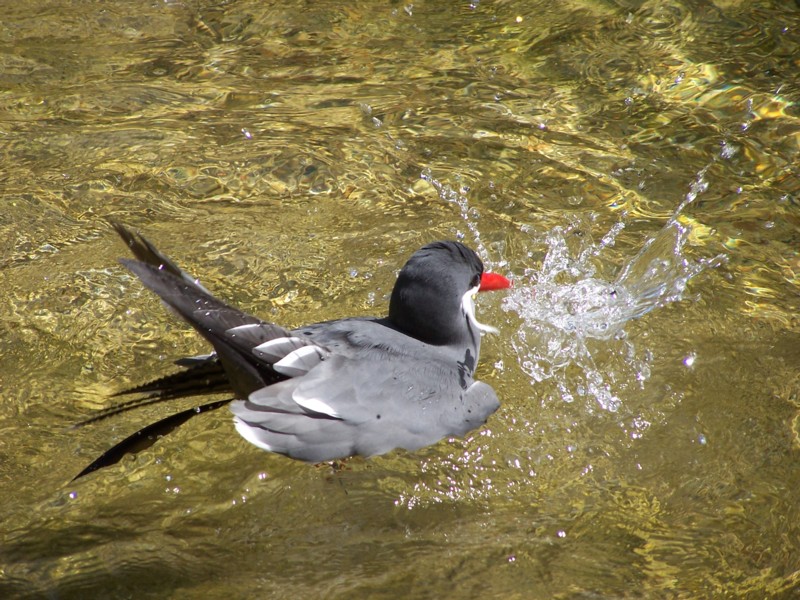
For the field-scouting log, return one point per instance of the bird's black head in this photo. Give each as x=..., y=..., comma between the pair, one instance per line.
x=433, y=291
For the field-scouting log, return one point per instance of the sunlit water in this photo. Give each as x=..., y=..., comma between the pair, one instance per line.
x=292, y=154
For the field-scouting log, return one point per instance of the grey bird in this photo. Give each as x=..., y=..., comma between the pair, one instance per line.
x=354, y=386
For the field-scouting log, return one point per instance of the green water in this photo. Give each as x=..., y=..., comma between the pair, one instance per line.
x=292, y=155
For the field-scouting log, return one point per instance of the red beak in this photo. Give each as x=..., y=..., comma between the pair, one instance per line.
x=493, y=281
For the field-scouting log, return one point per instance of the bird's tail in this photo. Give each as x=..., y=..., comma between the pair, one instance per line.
x=219, y=323
x=232, y=367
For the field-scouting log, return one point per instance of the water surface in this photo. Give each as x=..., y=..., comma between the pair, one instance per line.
x=633, y=165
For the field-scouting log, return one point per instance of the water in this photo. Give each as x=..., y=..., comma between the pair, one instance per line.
x=568, y=309
x=469, y=215
x=274, y=149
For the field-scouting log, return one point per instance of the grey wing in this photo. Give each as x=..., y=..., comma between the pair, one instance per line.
x=344, y=407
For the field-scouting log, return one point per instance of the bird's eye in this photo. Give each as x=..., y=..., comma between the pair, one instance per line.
x=476, y=281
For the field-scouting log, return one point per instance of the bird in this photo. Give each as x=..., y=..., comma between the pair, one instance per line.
x=357, y=386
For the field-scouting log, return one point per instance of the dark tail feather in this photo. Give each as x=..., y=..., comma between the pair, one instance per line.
x=211, y=317
x=233, y=368
x=122, y=407
x=147, y=436
x=207, y=377
x=149, y=254
x=192, y=301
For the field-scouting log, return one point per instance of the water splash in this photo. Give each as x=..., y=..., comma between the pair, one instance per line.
x=469, y=215
x=571, y=313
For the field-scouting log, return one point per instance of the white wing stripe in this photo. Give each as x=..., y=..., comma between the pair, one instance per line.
x=275, y=350
x=318, y=406
x=299, y=362
x=250, y=434
x=240, y=328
